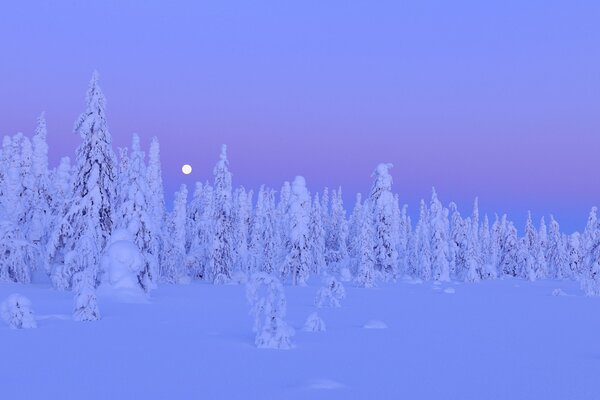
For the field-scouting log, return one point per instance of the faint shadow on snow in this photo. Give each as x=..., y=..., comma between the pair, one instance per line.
x=375, y=324
x=325, y=384
x=62, y=317
x=449, y=290
x=123, y=295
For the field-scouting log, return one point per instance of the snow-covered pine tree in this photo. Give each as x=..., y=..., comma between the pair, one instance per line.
x=336, y=251
x=241, y=229
x=222, y=254
x=488, y=250
x=421, y=251
x=440, y=253
x=354, y=227
x=381, y=202
x=268, y=306
x=173, y=253
x=91, y=205
x=264, y=242
x=365, y=256
x=157, y=194
x=575, y=255
x=590, y=279
x=298, y=260
x=458, y=244
x=542, y=255
x=134, y=214
x=86, y=303
x=508, y=248
x=558, y=259
x=316, y=237
x=42, y=200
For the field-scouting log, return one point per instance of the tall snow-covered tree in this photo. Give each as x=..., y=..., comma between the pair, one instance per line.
x=241, y=215
x=173, y=254
x=200, y=231
x=440, y=253
x=17, y=253
x=336, y=251
x=557, y=252
x=365, y=243
x=316, y=237
x=42, y=200
x=590, y=279
x=381, y=202
x=298, y=260
x=91, y=208
x=134, y=214
x=222, y=256
x=420, y=265
x=264, y=241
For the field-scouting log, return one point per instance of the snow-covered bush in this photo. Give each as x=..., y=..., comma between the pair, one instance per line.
x=330, y=294
x=17, y=313
x=558, y=292
x=314, y=323
x=267, y=299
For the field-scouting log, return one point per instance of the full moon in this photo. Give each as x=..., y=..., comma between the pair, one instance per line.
x=186, y=169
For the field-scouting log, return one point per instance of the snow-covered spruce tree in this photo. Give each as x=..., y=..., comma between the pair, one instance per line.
x=354, y=227
x=122, y=177
x=268, y=306
x=575, y=255
x=475, y=271
x=404, y=232
x=155, y=187
x=331, y=293
x=316, y=237
x=558, y=260
x=440, y=253
x=365, y=256
x=264, y=242
x=173, y=252
x=17, y=313
x=542, y=255
x=508, y=248
x=336, y=251
x=590, y=279
x=17, y=253
x=282, y=227
x=86, y=303
x=91, y=205
x=298, y=260
x=458, y=244
x=198, y=224
x=533, y=268
x=134, y=214
x=222, y=253
x=42, y=200
x=242, y=213
x=526, y=261
x=420, y=265
x=488, y=251
x=381, y=202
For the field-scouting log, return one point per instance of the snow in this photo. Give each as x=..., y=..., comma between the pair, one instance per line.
x=375, y=324
x=121, y=262
x=490, y=341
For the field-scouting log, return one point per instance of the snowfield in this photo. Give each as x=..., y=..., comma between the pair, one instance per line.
x=501, y=339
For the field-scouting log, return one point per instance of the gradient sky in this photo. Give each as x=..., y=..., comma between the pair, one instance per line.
x=499, y=99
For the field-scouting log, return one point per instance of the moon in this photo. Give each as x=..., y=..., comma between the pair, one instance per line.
x=186, y=169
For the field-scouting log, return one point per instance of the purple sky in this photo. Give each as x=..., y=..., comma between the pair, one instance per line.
x=497, y=99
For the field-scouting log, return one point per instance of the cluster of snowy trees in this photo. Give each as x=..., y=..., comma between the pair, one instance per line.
x=56, y=223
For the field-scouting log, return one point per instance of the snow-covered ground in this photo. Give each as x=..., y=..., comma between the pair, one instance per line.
x=504, y=339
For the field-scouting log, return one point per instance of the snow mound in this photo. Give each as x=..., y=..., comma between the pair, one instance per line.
x=325, y=384
x=345, y=275
x=413, y=281
x=449, y=290
x=121, y=263
x=314, y=323
x=16, y=312
x=375, y=324
x=558, y=292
